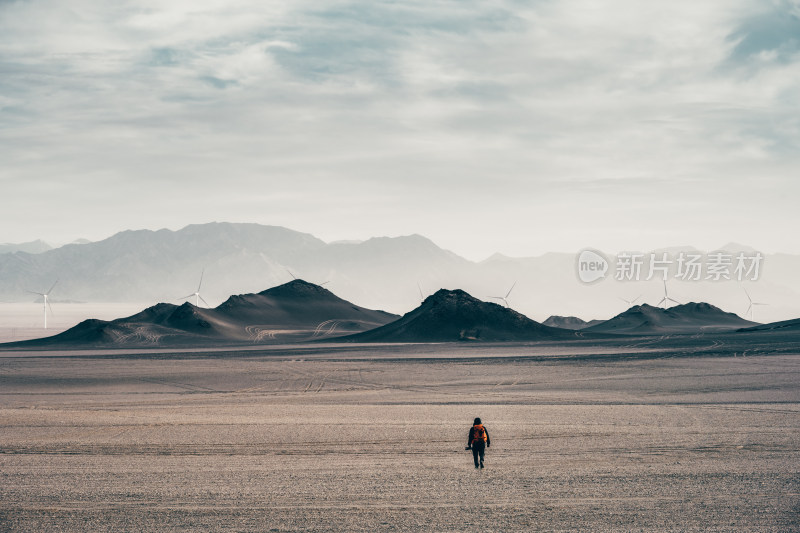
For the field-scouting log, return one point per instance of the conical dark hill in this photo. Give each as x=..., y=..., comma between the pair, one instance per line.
x=299, y=304
x=456, y=316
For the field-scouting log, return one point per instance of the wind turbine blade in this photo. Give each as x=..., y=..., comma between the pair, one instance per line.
x=748, y=294
x=324, y=282
x=34, y=292
x=51, y=309
x=749, y=310
x=634, y=300
x=290, y=273
x=202, y=300
x=201, y=280
x=185, y=297
x=511, y=289
x=53, y=287
x=623, y=299
x=420, y=292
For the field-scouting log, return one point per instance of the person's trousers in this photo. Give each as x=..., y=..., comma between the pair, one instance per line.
x=478, y=449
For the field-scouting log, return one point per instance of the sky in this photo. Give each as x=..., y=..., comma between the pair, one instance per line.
x=494, y=126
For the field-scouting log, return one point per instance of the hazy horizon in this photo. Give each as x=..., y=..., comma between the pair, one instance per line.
x=393, y=274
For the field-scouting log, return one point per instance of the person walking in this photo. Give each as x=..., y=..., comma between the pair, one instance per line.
x=478, y=440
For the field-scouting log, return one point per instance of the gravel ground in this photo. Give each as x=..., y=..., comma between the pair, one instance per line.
x=372, y=439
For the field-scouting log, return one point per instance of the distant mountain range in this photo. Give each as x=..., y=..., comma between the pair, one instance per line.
x=142, y=266
x=295, y=311
x=387, y=273
x=33, y=247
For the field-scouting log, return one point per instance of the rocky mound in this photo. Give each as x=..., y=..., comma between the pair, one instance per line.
x=456, y=316
x=686, y=318
x=569, y=322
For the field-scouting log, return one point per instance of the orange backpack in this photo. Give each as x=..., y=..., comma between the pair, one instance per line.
x=478, y=433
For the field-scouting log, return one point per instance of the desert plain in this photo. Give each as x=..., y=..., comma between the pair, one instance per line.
x=692, y=433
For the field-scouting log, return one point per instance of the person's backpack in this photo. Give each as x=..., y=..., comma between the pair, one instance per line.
x=478, y=433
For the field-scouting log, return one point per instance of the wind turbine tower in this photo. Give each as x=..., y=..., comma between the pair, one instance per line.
x=752, y=304
x=196, y=294
x=666, y=299
x=46, y=304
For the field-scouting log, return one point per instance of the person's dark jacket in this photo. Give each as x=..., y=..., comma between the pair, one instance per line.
x=472, y=435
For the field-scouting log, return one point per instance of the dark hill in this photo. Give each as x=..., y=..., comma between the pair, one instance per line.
x=91, y=331
x=456, y=316
x=299, y=304
x=157, y=325
x=686, y=318
x=295, y=311
x=156, y=314
x=568, y=322
x=783, y=325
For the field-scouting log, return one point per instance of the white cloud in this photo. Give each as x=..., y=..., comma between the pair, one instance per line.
x=416, y=115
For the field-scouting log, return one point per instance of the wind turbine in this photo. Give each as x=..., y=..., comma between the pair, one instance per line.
x=421, y=297
x=46, y=303
x=752, y=304
x=630, y=302
x=666, y=299
x=196, y=294
x=505, y=298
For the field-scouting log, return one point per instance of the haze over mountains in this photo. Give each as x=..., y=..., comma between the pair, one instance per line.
x=381, y=273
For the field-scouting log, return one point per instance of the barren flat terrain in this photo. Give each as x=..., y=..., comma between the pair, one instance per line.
x=364, y=438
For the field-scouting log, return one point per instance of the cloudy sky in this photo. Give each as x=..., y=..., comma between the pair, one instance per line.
x=509, y=126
